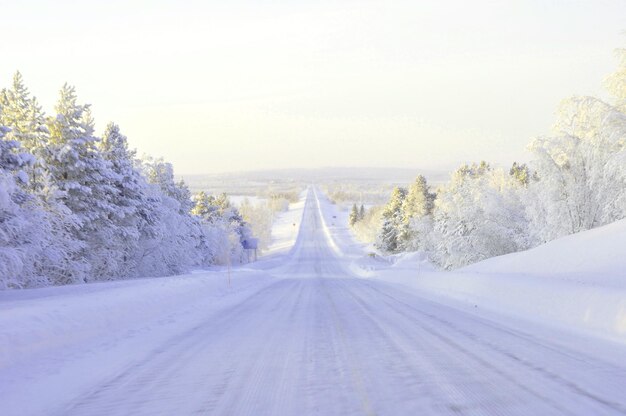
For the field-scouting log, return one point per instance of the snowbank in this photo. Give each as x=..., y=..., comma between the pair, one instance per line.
x=576, y=283
x=595, y=257
x=57, y=317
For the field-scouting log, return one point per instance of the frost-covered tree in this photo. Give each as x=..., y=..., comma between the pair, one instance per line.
x=206, y=207
x=521, y=172
x=361, y=212
x=13, y=227
x=23, y=115
x=129, y=198
x=223, y=225
x=616, y=82
x=85, y=180
x=389, y=239
x=171, y=235
x=354, y=216
x=75, y=208
x=19, y=225
x=233, y=217
x=260, y=217
x=368, y=228
x=580, y=169
x=162, y=173
x=12, y=159
x=20, y=235
x=417, y=205
x=34, y=251
x=477, y=215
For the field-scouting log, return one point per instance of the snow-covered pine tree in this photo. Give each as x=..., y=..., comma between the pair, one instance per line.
x=521, y=172
x=417, y=204
x=85, y=180
x=11, y=225
x=354, y=215
x=54, y=255
x=129, y=198
x=174, y=234
x=389, y=238
x=24, y=229
x=224, y=225
x=23, y=115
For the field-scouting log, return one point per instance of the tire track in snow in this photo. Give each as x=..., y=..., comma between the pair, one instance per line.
x=395, y=303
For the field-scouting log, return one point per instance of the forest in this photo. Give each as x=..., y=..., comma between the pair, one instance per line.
x=76, y=207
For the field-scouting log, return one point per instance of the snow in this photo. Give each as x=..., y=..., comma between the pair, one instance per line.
x=576, y=283
x=285, y=227
x=237, y=200
x=300, y=333
x=595, y=257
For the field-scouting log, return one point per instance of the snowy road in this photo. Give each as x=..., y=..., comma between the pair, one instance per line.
x=318, y=340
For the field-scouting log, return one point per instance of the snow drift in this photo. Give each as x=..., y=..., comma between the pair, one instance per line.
x=598, y=256
x=577, y=283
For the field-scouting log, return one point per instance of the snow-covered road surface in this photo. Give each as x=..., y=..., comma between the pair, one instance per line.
x=317, y=340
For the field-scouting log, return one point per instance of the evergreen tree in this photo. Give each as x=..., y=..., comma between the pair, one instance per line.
x=354, y=216
x=32, y=253
x=129, y=199
x=12, y=160
x=84, y=179
x=389, y=237
x=175, y=234
x=361, y=213
x=205, y=207
x=222, y=221
x=28, y=127
x=521, y=172
x=418, y=204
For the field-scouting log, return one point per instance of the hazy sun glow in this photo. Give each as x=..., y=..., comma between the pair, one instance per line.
x=239, y=85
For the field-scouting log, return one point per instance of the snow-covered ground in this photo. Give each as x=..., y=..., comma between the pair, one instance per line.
x=237, y=200
x=285, y=227
x=576, y=283
x=303, y=332
x=49, y=336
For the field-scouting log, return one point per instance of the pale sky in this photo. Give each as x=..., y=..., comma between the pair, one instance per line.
x=216, y=86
